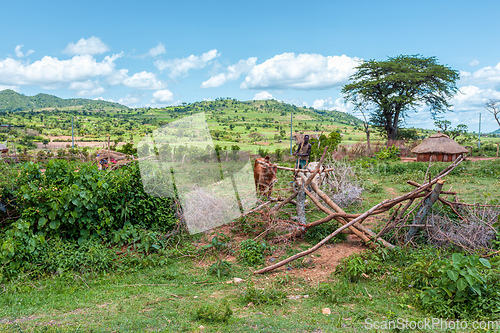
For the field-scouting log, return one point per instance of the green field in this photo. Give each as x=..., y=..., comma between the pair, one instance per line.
x=253, y=125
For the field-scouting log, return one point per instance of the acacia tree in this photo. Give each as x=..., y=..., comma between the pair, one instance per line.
x=493, y=106
x=393, y=87
x=445, y=127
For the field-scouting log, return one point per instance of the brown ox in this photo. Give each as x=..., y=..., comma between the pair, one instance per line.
x=264, y=173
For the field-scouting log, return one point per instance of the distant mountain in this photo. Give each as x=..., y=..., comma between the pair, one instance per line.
x=13, y=101
x=496, y=132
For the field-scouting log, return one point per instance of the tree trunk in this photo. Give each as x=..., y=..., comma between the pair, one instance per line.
x=367, y=130
x=392, y=127
x=391, y=136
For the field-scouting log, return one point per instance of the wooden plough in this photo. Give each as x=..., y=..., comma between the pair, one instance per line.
x=353, y=222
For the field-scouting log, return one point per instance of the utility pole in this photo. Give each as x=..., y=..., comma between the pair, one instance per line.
x=479, y=135
x=72, y=134
x=291, y=132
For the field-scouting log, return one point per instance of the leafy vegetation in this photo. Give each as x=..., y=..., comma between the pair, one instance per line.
x=77, y=203
x=214, y=313
x=252, y=252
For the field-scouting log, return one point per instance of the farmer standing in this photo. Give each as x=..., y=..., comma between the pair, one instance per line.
x=303, y=152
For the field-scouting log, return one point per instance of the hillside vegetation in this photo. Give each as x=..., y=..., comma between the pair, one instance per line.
x=247, y=124
x=13, y=101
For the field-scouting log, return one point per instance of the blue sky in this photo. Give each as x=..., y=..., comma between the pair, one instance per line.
x=158, y=53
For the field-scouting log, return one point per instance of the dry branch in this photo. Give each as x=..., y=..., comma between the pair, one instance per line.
x=387, y=204
x=355, y=231
x=320, y=244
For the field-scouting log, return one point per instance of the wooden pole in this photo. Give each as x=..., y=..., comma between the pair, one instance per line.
x=320, y=244
x=301, y=203
x=426, y=207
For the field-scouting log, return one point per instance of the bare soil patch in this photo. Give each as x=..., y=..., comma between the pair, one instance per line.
x=321, y=263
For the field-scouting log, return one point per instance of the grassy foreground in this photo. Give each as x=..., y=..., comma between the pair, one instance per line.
x=167, y=299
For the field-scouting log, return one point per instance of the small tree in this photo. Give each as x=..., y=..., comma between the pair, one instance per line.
x=254, y=136
x=332, y=141
x=360, y=107
x=445, y=127
x=493, y=106
x=234, y=151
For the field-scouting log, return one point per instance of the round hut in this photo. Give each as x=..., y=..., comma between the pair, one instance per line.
x=3, y=148
x=438, y=147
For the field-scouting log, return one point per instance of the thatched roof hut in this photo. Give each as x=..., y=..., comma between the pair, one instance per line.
x=3, y=148
x=438, y=147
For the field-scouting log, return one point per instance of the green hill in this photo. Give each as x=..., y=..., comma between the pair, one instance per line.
x=263, y=111
x=13, y=101
x=496, y=132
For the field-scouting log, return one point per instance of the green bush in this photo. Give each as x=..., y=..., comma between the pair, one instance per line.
x=332, y=141
x=271, y=296
x=458, y=289
x=319, y=232
x=391, y=153
x=220, y=268
x=80, y=203
x=334, y=292
x=449, y=285
x=357, y=266
x=252, y=252
x=214, y=313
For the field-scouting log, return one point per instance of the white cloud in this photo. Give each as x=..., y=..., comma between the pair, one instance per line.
x=130, y=100
x=467, y=104
x=485, y=75
x=87, y=88
x=20, y=54
x=117, y=77
x=141, y=80
x=157, y=50
x=329, y=104
x=303, y=71
x=15, y=88
x=472, y=98
x=92, y=45
x=474, y=62
x=51, y=71
x=181, y=66
x=262, y=96
x=162, y=96
x=232, y=73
